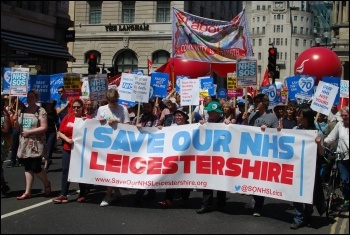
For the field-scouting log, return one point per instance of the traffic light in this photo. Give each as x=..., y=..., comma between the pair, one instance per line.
x=111, y=72
x=92, y=62
x=271, y=65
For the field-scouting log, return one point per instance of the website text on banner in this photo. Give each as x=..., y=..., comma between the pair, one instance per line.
x=235, y=158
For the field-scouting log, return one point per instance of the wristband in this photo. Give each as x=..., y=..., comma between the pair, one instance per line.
x=107, y=118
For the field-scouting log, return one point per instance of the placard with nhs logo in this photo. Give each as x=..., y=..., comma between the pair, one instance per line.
x=19, y=82
x=300, y=87
x=246, y=73
x=271, y=92
x=7, y=73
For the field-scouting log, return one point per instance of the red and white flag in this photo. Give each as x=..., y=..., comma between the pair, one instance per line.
x=266, y=79
x=149, y=62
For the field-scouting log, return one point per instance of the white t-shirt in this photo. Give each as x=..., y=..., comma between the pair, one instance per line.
x=120, y=113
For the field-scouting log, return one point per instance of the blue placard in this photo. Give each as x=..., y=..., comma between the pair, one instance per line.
x=221, y=93
x=300, y=87
x=7, y=73
x=159, y=84
x=177, y=85
x=207, y=84
x=271, y=92
x=336, y=82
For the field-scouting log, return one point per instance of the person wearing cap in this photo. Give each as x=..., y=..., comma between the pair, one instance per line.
x=215, y=113
x=250, y=100
x=264, y=119
x=146, y=119
x=180, y=118
x=279, y=110
x=166, y=118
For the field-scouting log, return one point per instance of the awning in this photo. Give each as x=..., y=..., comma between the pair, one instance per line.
x=35, y=45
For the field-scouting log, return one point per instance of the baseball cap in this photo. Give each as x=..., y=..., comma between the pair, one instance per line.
x=214, y=106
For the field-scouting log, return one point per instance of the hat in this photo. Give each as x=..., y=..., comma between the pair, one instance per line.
x=279, y=105
x=248, y=94
x=171, y=100
x=214, y=106
x=182, y=112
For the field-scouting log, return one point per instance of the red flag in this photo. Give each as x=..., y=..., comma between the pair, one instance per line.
x=266, y=79
x=149, y=66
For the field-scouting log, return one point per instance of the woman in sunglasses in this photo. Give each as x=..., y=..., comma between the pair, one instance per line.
x=65, y=133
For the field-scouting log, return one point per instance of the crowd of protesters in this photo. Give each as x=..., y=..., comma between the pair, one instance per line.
x=54, y=120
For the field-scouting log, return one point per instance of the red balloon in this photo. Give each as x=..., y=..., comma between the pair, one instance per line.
x=318, y=62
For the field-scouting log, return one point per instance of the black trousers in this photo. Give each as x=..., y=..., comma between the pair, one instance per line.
x=208, y=195
x=259, y=203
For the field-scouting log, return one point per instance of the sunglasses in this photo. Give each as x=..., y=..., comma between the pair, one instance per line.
x=76, y=107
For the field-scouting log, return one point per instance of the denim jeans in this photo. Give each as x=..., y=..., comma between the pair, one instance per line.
x=65, y=169
x=343, y=167
x=300, y=213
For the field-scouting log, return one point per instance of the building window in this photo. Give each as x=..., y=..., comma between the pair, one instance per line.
x=281, y=41
x=311, y=43
x=295, y=29
x=253, y=20
x=295, y=18
x=128, y=11
x=260, y=42
x=258, y=7
x=163, y=11
x=297, y=42
x=253, y=31
x=286, y=42
x=296, y=56
x=253, y=42
x=301, y=30
x=257, y=19
x=268, y=7
x=285, y=56
x=307, y=31
x=160, y=57
x=257, y=30
x=278, y=17
x=304, y=43
x=281, y=28
x=44, y=7
x=259, y=56
x=95, y=12
x=263, y=7
x=201, y=11
x=263, y=30
x=277, y=41
x=126, y=61
x=190, y=7
x=264, y=18
x=301, y=18
x=278, y=28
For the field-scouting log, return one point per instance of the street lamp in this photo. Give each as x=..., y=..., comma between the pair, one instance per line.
x=334, y=42
x=326, y=36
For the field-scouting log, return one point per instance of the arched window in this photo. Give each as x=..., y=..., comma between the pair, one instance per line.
x=126, y=61
x=160, y=57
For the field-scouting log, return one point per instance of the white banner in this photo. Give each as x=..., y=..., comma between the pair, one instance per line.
x=233, y=158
